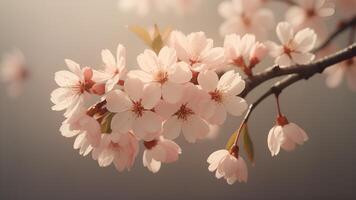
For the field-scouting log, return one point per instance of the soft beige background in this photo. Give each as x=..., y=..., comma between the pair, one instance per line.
x=36, y=162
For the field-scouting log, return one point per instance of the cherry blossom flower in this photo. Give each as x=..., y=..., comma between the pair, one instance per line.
x=115, y=69
x=184, y=117
x=285, y=135
x=85, y=128
x=223, y=95
x=118, y=148
x=133, y=107
x=336, y=73
x=232, y=168
x=295, y=48
x=74, y=87
x=244, y=52
x=245, y=16
x=14, y=72
x=164, y=71
x=310, y=13
x=159, y=151
x=197, y=50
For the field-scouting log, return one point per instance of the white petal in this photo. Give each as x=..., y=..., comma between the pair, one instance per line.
x=235, y=105
x=305, y=40
x=122, y=122
x=108, y=58
x=283, y=60
x=275, y=139
x=66, y=78
x=219, y=116
x=217, y=155
x=172, y=92
x=139, y=74
x=148, y=61
x=180, y=73
x=208, y=80
x=167, y=57
x=146, y=126
x=134, y=88
x=284, y=32
x=118, y=101
x=74, y=67
x=194, y=128
x=302, y=58
x=295, y=133
x=151, y=95
x=172, y=128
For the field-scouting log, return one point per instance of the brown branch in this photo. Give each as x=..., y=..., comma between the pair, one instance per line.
x=305, y=72
x=276, y=71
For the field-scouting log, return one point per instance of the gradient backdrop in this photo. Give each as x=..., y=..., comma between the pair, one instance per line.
x=36, y=162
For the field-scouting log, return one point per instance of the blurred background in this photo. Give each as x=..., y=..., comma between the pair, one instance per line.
x=36, y=162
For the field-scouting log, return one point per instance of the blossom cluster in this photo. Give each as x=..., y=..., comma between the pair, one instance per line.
x=178, y=90
x=175, y=92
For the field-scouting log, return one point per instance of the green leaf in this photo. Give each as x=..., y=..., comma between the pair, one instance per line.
x=157, y=44
x=142, y=33
x=248, y=145
x=231, y=140
x=105, y=125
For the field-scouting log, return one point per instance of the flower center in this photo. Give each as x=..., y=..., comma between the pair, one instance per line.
x=137, y=108
x=161, y=77
x=287, y=50
x=150, y=144
x=245, y=20
x=86, y=86
x=184, y=112
x=216, y=96
x=310, y=13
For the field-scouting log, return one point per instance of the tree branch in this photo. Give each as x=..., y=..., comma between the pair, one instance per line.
x=305, y=72
x=276, y=71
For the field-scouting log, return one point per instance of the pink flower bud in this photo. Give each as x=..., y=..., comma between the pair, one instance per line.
x=88, y=73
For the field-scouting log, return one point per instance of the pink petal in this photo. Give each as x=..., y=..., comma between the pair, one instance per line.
x=118, y=101
x=172, y=92
x=305, y=40
x=208, y=80
x=284, y=32
x=148, y=61
x=167, y=57
x=151, y=95
x=172, y=128
x=122, y=122
x=66, y=78
x=194, y=128
x=302, y=58
x=275, y=139
x=134, y=88
x=180, y=73
x=235, y=105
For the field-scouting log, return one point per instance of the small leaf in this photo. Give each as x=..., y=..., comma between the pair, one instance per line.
x=105, y=125
x=248, y=145
x=157, y=44
x=142, y=33
x=231, y=141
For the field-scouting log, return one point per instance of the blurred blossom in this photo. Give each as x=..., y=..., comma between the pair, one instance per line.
x=336, y=73
x=246, y=16
x=311, y=14
x=13, y=72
